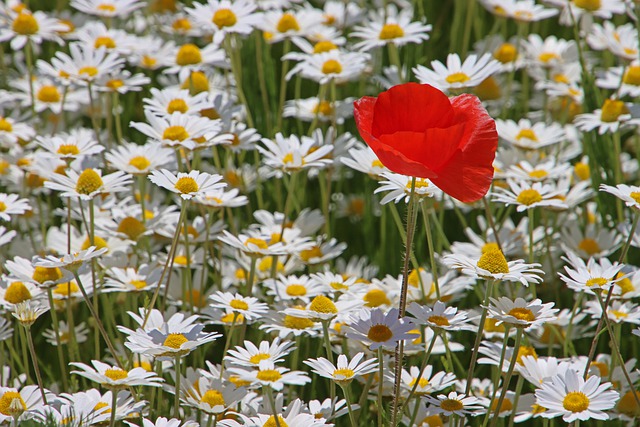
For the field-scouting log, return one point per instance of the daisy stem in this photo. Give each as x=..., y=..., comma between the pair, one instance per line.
x=492, y=224
x=233, y=52
x=417, y=383
x=507, y=379
x=94, y=118
x=327, y=346
x=432, y=258
x=627, y=244
x=574, y=310
x=97, y=320
x=476, y=346
x=412, y=214
x=394, y=58
x=497, y=374
x=616, y=347
x=617, y=172
x=28, y=54
x=316, y=116
x=347, y=397
x=34, y=359
x=283, y=85
x=272, y=401
x=114, y=405
x=531, y=252
x=380, y=384
x=172, y=250
x=116, y=116
x=176, y=409
x=56, y=332
x=516, y=398
x=264, y=94
x=252, y=275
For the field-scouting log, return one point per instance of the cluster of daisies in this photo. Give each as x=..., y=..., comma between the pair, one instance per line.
x=177, y=219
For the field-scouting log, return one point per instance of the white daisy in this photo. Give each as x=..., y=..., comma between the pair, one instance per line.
x=115, y=378
x=344, y=371
x=107, y=8
x=574, y=398
x=454, y=403
x=12, y=204
x=528, y=195
x=399, y=188
x=179, y=130
x=376, y=329
x=293, y=154
x=520, y=313
x=456, y=74
x=88, y=184
x=390, y=26
x=35, y=26
x=187, y=185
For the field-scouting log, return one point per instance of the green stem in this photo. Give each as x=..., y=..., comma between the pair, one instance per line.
x=507, y=379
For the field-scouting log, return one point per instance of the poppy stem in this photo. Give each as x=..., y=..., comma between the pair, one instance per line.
x=411, y=225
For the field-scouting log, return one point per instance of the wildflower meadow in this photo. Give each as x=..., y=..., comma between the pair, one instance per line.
x=307, y=213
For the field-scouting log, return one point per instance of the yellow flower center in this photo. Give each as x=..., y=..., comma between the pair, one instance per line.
x=232, y=318
x=139, y=162
x=174, y=341
x=138, y=284
x=66, y=289
x=457, y=78
x=88, y=71
x=88, y=182
x=271, y=422
x=635, y=195
x=293, y=322
x=181, y=24
x=68, y=150
x=308, y=254
x=522, y=313
x=116, y=374
x=175, y=133
x=238, y=304
x=545, y=57
x=101, y=405
x=180, y=260
x=197, y=82
x=433, y=421
x=224, y=18
x=420, y=183
x=491, y=246
x=625, y=284
x=98, y=242
x=322, y=304
x=178, y=105
x=379, y=333
x=148, y=61
x=590, y=246
x=131, y=227
x=286, y=23
x=602, y=368
x=575, y=401
x=525, y=351
x=114, y=84
x=331, y=67
x=269, y=375
x=422, y=383
x=260, y=243
x=612, y=109
x=7, y=405
x=256, y=358
x=451, y=405
x=16, y=293
x=48, y=93
x=323, y=108
x=106, y=7
x=582, y=171
x=391, y=31
x=346, y=373
x=3, y=207
x=538, y=174
x=25, y=24
x=632, y=75
x=506, y=53
x=505, y=406
x=188, y=54
x=186, y=185
x=439, y=320
x=494, y=262
x=324, y=46
x=527, y=134
x=5, y=125
x=376, y=298
x=488, y=90
x=45, y=274
x=528, y=197
x=212, y=398
x=596, y=281
x=296, y=290
x=105, y=41
x=590, y=5
x=552, y=334
x=628, y=404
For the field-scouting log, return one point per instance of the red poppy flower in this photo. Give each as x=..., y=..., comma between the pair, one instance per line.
x=416, y=130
